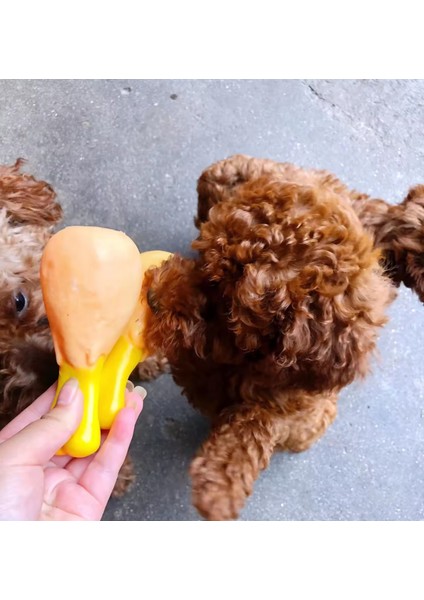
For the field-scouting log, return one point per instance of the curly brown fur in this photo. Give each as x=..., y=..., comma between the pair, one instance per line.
x=280, y=311
x=398, y=230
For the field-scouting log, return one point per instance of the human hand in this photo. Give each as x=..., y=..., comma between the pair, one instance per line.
x=37, y=485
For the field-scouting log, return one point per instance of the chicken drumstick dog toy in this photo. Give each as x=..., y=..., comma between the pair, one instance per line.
x=91, y=278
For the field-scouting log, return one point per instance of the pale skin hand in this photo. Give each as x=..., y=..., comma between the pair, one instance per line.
x=38, y=486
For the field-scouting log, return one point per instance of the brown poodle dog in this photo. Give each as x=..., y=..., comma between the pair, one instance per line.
x=278, y=313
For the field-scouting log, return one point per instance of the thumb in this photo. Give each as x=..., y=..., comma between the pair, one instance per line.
x=39, y=441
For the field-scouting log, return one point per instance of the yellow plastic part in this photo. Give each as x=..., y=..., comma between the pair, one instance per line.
x=86, y=438
x=118, y=366
x=154, y=258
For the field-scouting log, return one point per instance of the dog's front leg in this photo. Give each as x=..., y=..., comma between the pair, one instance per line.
x=224, y=472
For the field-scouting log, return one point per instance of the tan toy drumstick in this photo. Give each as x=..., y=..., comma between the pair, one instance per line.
x=91, y=280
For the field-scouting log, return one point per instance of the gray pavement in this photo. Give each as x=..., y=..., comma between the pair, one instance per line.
x=127, y=154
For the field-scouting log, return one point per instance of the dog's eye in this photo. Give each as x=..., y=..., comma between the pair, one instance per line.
x=21, y=303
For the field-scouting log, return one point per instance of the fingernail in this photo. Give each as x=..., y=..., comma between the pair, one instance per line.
x=130, y=386
x=68, y=393
x=140, y=391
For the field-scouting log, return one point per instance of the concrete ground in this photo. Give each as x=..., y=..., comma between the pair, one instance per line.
x=126, y=154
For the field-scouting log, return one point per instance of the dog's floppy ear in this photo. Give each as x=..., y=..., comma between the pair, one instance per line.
x=26, y=200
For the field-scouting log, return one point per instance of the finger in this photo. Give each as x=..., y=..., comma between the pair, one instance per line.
x=133, y=399
x=77, y=466
x=62, y=461
x=100, y=477
x=34, y=411
x=40, y=440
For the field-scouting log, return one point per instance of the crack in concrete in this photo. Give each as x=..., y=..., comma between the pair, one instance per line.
x=320, y=96
x=355, y=123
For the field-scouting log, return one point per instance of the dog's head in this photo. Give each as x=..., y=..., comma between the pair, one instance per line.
x=293, y=275
x=28, y=211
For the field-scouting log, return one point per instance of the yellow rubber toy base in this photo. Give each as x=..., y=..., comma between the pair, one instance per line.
x=120, y=363
x=86, y=438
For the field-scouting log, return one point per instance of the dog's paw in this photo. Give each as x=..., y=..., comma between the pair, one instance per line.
x=216, y=495
x=152, y=367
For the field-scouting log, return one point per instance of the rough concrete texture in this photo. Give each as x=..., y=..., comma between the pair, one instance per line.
x=126, y=154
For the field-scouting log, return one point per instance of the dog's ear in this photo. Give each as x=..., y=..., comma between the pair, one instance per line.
x=25, y=199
